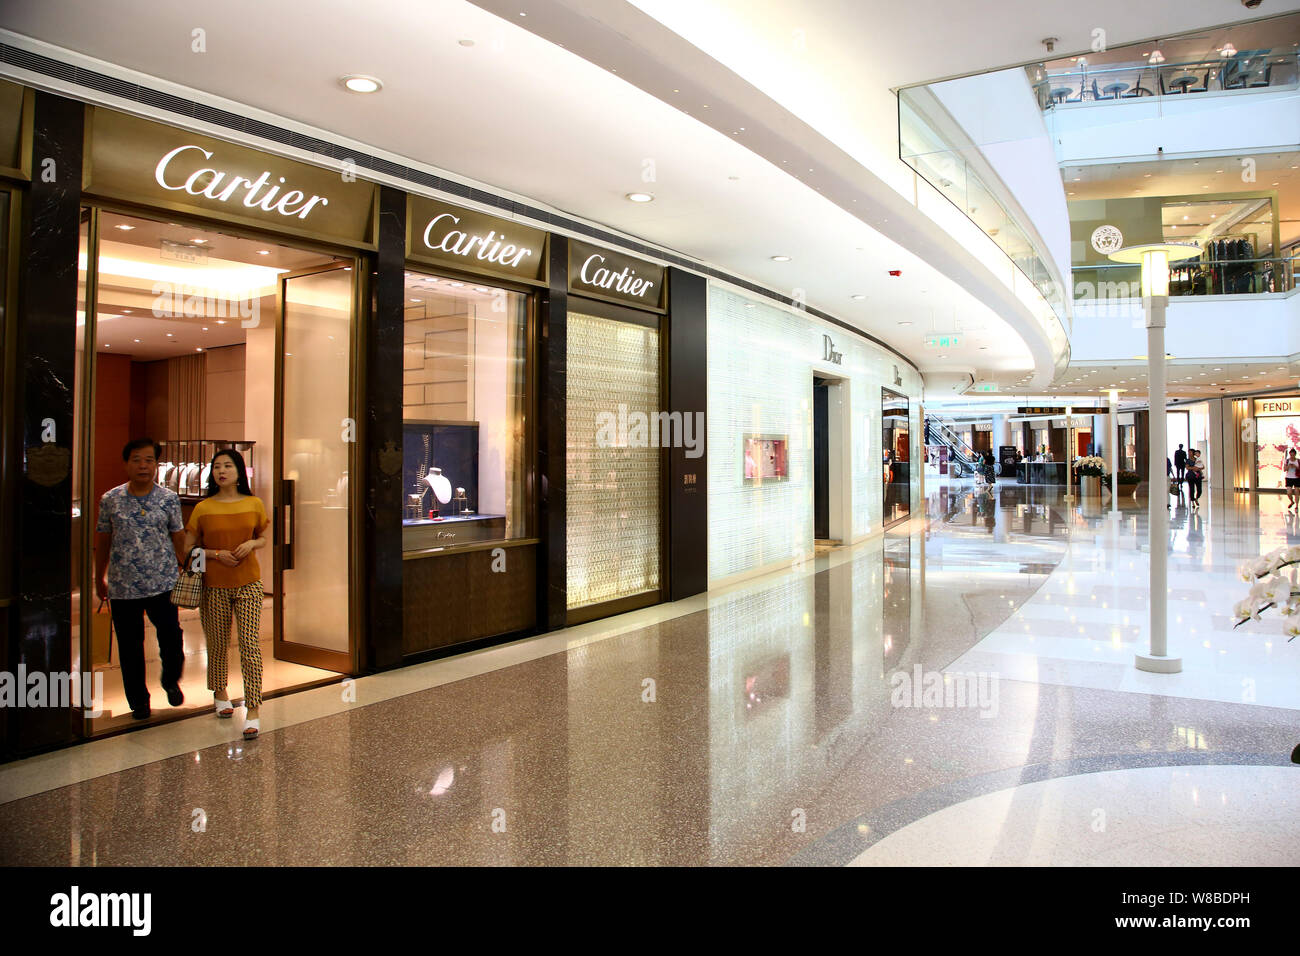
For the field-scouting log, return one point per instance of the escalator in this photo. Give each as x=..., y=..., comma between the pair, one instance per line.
x=963, y=461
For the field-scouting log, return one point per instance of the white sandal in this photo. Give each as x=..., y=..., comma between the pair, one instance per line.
x=224, y=707
x=251, y=727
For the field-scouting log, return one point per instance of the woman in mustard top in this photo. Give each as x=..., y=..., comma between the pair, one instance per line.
x=230, y=525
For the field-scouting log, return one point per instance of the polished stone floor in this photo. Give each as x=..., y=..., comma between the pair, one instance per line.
x=884, y=704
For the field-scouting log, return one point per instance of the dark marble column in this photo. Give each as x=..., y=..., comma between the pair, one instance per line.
x=552, y=563
x=44, y=393
x=688, y=469
x=382, y=355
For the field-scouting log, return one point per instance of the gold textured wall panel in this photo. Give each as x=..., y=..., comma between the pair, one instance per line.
x=612, y=501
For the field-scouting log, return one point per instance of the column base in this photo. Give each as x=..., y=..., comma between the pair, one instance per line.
x=1158, y=665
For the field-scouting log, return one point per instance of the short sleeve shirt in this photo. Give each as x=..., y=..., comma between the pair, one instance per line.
x=142, y=561
x=224, y=526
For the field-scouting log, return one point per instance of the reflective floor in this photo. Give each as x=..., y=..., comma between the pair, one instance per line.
x=883, y=705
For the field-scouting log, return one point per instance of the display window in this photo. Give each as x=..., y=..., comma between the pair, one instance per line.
x=210, y=342
x=896, y=467
x=464, y=413
x=1277, y=432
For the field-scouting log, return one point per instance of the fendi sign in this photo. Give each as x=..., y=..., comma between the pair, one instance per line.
x=463, y=239
x=146, y=162
x=607, y=274
x=1276, y=406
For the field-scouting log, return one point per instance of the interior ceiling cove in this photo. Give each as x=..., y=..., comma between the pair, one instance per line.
x=482, y=97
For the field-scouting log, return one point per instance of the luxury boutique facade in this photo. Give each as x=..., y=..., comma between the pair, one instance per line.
x=470, y=419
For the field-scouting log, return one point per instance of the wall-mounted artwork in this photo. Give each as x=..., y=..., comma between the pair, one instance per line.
x=767, y=458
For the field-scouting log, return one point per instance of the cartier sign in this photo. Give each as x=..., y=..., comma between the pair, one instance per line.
x=464, y=239
x=156, y=165
x=607, y=274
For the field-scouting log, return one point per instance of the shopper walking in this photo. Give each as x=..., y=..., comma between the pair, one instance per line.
x=1195, y=478
x=230, y=525
x=138, y=548
x=1180, y=463
x=1291, y=469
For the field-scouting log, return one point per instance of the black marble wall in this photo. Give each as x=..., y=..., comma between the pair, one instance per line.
x=382, y=524
x=552, y=316
x=41, y=640
x=688, y=380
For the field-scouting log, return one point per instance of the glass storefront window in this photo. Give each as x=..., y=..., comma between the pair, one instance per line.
x=897, y=456
x=464, y=402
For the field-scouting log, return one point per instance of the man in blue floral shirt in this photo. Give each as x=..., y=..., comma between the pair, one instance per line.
x=138, y=542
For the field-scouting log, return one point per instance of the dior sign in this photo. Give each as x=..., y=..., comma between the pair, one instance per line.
x=223, y=186
x=828, y=352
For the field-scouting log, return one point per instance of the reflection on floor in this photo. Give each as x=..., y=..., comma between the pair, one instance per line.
x=276, y=674
x=836, y=712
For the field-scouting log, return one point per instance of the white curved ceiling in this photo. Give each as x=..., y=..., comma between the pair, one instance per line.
x=513, y=111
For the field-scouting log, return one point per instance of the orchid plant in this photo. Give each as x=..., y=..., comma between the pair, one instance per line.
x=1270, y=588
x=1090, y=466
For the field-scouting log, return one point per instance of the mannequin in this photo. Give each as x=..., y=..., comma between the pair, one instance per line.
x=440, y=485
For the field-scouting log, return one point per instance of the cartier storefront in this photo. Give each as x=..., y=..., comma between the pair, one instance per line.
x=425, y=391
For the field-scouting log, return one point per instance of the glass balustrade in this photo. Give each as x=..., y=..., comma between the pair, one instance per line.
x=1257, y=70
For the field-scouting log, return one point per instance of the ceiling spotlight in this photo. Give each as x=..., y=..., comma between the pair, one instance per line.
x=198, y=242
x=361, y=83
x=124, y=227
x=263, y=252
x=640, y=197
x=780, y=258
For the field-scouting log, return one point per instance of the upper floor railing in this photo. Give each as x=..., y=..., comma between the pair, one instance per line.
x=1254, y=70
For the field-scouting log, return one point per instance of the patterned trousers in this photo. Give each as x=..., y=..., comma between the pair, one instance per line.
x=244, y=604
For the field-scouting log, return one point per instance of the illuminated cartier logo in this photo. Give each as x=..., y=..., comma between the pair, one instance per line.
x=625, y=281
x=223, y=186
x=491, y=248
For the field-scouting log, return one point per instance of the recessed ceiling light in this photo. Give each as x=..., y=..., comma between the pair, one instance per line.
x=169, y=335
x=198, y=242
x=135, y=340
x=480, y=288
x=780, y=258
x=750, y=305
x=458, y=285
x=859, y=296
x=221, y=321
x=205, y=328
x=107, y=346
x=904, y=323
x=263, y=252
x=640, y=197
x=415, y=300
x=361, y=83
x=198, y=350
x=125, y=228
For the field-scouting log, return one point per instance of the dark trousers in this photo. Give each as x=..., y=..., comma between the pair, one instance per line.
x=128, y=624
x=1180, y=471
x=1195, y=486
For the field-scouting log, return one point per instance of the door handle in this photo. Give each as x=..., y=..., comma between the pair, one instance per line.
x=288, y=489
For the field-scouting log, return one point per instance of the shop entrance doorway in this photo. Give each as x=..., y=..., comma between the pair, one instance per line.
x=832, y=504
x=205, y=340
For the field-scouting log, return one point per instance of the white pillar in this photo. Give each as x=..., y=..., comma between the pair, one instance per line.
x=1112, y=447
x=1158, y=660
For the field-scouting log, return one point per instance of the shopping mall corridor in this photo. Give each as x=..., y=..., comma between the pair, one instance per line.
x=799, y=718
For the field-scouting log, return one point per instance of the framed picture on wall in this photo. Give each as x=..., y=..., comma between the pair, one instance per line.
x=766, y=458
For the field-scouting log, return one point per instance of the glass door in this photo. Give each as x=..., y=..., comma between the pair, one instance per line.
x=314, y=442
